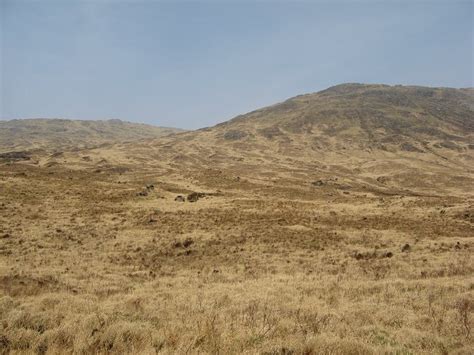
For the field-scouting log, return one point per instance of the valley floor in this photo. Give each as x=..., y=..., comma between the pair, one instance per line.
x=93, y=261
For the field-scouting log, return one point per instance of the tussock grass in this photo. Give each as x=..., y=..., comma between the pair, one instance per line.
x=263, y=266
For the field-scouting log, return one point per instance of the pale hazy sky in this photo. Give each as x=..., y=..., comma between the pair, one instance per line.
x=192, y=64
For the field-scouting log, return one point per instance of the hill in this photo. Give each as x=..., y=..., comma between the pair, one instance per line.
x=358, y=116
x=409, y=137
x=60, y=134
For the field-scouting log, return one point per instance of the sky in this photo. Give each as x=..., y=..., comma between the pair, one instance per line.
x=192, y=64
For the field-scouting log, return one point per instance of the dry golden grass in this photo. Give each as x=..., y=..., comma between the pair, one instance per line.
x=330, y=224
x=275, y=266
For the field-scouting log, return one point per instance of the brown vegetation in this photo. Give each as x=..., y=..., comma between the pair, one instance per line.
x=281, y=251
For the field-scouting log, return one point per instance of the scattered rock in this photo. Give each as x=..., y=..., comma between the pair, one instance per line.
x=387, y=254
x=193, y=197
x=457, y=246
x=146, y=191
x=406, y=247
x=318, y=183
x=234, y=135
x=364, y=256
x=358, y=256
x=180, y=198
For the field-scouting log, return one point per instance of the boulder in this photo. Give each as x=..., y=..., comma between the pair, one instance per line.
x=406, y=248
x=193, y=197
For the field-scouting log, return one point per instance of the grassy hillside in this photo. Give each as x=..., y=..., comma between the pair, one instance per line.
x=409, y=137
x=365, y=116
x=339, y=222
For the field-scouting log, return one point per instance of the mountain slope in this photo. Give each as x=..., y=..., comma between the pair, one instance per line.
x=58, y=134
x=409, y=137
x=393, y=138
x=350, y=118
x=365, y=116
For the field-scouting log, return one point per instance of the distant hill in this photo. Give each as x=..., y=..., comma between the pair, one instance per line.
x=60, y=134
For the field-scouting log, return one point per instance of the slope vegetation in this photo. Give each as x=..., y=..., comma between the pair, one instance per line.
x=340, y=222
x=406, y=137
